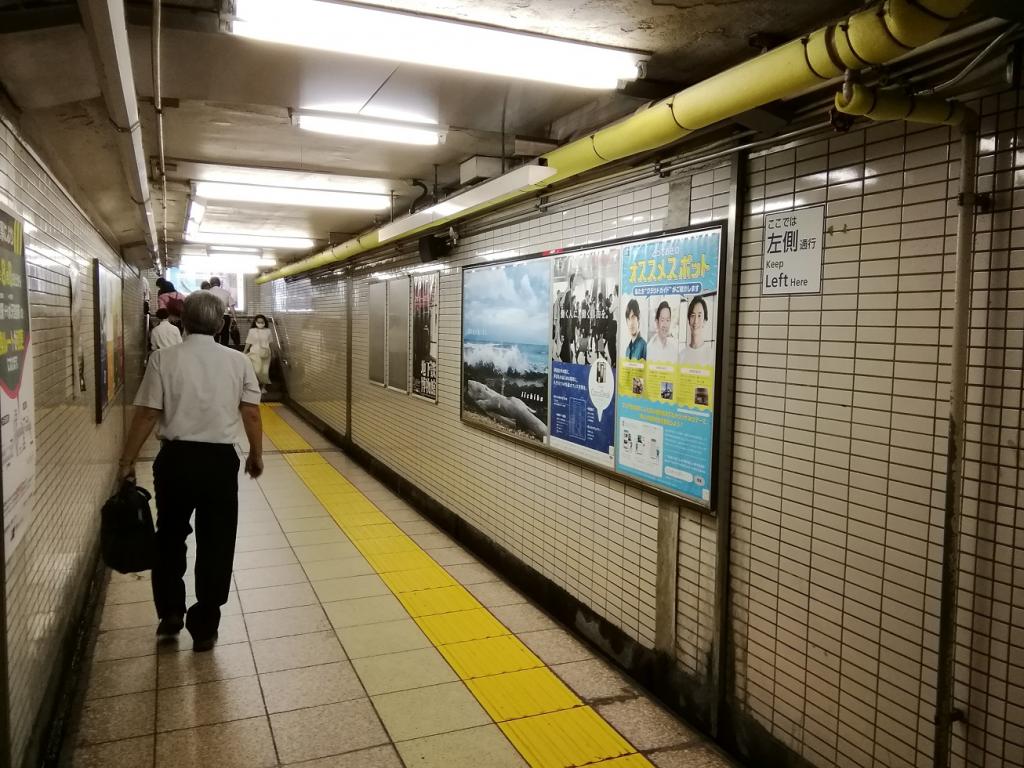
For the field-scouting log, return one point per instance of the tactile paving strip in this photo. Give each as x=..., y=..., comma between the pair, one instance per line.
x=545, y=721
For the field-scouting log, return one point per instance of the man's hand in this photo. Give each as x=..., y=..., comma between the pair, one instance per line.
x=253, y=465
x=125, y=471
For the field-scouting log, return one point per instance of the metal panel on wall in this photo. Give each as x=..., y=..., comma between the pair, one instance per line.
x=377, y=331
x=398, y=334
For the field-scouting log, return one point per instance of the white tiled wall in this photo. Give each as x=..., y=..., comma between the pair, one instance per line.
x=75, y=458
x=839, y=443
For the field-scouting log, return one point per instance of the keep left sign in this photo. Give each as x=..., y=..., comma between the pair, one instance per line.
x=792, y=252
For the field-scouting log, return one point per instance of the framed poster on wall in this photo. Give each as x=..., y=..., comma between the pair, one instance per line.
x=377, y=320
x=17, y=386
x=398, y=334
x=109, y=335
x=607, y=353
x=77, y=347
x=424, y=335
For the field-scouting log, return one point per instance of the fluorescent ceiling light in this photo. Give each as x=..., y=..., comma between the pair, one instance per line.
x=307, y=198
x=514, y=181
x=398, y=36
x=373, y=129
x=280, y=177
x=247, y=239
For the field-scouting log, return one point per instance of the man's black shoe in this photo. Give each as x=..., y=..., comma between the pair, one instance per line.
x=206, y=644
x=170, y=626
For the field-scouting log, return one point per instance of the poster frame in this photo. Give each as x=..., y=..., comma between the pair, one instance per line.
x=369, y=324
x=436, y=276
x=723, y=326
x=408, y=334
x=101, y=409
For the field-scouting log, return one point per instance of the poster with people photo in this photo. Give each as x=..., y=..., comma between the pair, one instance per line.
x=424, y=335
x=506, y=324
x=109, y=335
x=584, y=291
x=666, y=370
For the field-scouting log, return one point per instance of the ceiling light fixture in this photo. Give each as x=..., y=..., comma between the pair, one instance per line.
x=371, y=128
x=248, y=239
x=403, y=36
x=307, y=198
x=518, y=180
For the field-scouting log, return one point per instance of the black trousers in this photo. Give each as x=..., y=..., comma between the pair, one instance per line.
x=224, y=335
x=201, y=478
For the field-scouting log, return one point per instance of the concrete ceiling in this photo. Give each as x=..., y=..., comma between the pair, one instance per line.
x=227, y=100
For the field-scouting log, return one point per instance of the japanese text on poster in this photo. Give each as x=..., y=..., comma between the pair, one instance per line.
x=424, y=335
x=791, y=262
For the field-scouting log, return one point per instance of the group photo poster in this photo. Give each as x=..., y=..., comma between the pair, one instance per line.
x=585, y=294
x=109, y=337
x=666, y=367
x=17, y=401
x=424, y=335
x=506, y=326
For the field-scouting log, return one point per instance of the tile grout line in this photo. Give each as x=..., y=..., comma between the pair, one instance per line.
x=416, y=549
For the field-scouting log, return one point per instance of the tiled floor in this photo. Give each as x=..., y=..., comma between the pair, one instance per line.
x=326, y=660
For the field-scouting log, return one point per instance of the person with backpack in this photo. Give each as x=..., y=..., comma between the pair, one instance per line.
x=169, y=298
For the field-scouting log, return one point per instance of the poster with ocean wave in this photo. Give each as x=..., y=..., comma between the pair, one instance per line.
x=506, y=362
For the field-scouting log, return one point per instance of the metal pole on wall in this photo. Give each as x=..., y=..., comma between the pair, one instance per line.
x=946, y=676
x=721, y=677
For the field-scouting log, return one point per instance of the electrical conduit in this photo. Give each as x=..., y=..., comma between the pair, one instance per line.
x=881, y=32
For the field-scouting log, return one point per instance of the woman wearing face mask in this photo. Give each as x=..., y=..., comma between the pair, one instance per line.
x=257, y=348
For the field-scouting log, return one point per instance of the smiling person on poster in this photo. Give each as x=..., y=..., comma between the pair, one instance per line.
x=698, y=351
x=663, y=347
x=637, y=347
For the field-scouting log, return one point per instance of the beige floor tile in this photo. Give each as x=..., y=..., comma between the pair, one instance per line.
x=350, y=588
x=310, y=686
x=260, y=543
x=321, y=523
x=322, y=536
x=218, y=702
x=429, y=711
x=301, y=512
x=403, y=671
x=321, y=570
x=365, y=610
x=699, y=756
x=594, y=679
x=125, y=643
x=452, y=556
x=431, y=541
x=495, y=593
x=297, y=651
x=307, y=734
x=117, y=717
x=418, y=526
x=238, y=744
x=129, y=753
x=272, y=598
x=135, y=591
x=472, y=573
x=275, y=576
x=375, y=757
x=311, y=553
x=264, y=559
x=377, y=639
x=472, y=748
x=222, y=663
x=247, y=528
x=556, y=646
x=523, y=617
x=128, y=615
x=231, y=631
x=287, y=621
x=645, y=725
x=121, y=676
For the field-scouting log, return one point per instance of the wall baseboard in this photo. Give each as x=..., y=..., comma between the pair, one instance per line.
x=685, y=694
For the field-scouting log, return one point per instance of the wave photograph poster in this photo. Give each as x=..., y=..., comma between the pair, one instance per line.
x=506, y=324
x=667, y=357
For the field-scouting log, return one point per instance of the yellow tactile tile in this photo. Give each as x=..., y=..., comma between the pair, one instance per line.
x=382, y=530
x=415, y=580
x=390, y=546
x=402, y=561
x=461, y=626
x=356, y=521
x=493, y=656
x=522, y=694
x=572, y=737
x=429, y=602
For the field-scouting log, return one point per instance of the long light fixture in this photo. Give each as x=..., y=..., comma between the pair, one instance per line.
x=514, y=181
x=372, y=128
x=237, y=263
x=403, y=36
x=247, y=239
x=274, y=195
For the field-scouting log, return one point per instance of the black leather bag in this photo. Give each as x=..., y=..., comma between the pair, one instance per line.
x=127, y=538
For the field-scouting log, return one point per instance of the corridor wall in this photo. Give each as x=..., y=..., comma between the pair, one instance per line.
x=49, y=572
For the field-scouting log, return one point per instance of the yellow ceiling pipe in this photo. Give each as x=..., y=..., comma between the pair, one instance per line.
x=892, y=104
x=877, y=34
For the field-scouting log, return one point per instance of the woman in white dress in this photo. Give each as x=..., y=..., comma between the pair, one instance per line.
x=257, y=348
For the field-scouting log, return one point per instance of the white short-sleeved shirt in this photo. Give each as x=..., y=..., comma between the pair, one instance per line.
x=225, y=297
x=164, y=335
x=198, y=386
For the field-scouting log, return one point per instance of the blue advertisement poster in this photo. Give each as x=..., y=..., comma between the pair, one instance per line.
x=584, y=292
x=666, y=361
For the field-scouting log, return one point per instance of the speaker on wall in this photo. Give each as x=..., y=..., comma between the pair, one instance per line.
x=434, y=248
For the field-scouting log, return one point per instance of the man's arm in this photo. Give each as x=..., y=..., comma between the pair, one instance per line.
x=142, y=424
x=253, y=423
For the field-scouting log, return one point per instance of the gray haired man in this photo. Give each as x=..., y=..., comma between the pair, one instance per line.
x=197, y=392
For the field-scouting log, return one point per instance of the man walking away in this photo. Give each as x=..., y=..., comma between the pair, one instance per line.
x=163, y=334
x=197, y=392
x=224, y=336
